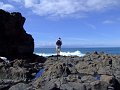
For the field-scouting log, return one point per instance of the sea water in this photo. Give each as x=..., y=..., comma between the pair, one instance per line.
x=76, y=51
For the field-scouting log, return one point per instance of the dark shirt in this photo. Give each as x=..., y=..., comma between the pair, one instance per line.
x=59, y=43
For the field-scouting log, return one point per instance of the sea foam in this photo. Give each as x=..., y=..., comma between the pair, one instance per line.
x=76, y=53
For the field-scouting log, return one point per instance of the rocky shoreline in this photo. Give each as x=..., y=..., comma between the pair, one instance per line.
x=94, y=71
x=90, y=72
x=21, y=69
x=17, y=71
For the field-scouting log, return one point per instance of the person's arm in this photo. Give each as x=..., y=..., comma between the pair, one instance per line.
x=61, y=42
x=56, y=42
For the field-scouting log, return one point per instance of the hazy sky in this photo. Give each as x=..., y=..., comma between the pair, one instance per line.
x=80, y=23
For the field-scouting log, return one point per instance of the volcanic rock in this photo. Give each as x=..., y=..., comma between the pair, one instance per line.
x=14, y=41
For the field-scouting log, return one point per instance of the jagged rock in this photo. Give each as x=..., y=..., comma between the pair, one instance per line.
x=73, y=86
x=66, y=73
x=72, y=78
x=95, y=85
x=87, y=78
x=91, y=72
x=14, y=41
x=19, y=86
x=7, y=83
x=19, y=70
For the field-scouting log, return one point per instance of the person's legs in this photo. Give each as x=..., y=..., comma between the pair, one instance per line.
x=58, y=49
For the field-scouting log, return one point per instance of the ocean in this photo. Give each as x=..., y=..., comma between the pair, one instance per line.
x=75, y=51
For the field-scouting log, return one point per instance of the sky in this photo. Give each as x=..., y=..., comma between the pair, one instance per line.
x=79, y=23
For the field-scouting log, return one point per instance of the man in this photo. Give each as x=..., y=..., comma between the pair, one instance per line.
x=58, y=46
x=110, y=62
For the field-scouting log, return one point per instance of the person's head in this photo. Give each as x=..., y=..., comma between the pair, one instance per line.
x=59, y=38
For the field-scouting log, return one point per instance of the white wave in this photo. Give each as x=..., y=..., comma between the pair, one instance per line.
x=76, y=53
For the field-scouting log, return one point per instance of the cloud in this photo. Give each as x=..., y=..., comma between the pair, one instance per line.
x=7, y=7
x=114, y=20
x=63, y=8
x=108, y=22
x=16, y=0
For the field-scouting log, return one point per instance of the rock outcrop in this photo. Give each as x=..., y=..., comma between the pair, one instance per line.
x=18, y=70
x=15, y=72
x=94, y=71
x=14, y=41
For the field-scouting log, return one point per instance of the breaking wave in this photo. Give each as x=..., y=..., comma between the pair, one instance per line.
x=76, y=53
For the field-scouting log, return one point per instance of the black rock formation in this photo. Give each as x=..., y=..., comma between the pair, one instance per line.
x=14, y=41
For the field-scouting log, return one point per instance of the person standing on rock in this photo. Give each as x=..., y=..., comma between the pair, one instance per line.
x=110, y=62
x=58, y=46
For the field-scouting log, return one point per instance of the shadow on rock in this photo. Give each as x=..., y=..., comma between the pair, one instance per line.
x=113, y=84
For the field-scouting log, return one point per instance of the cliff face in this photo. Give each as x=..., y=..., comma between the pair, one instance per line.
x=14, y=40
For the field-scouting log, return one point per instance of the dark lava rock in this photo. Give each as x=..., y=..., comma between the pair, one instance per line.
x=19, y=86
x=14, y=41
x=19, y=70
x=90, y=72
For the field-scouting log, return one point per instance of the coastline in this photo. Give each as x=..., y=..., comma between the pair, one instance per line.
x=21, y=69
x=92, y=71
x=76, y=51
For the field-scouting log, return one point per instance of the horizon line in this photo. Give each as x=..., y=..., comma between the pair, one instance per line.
x=85, y=47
